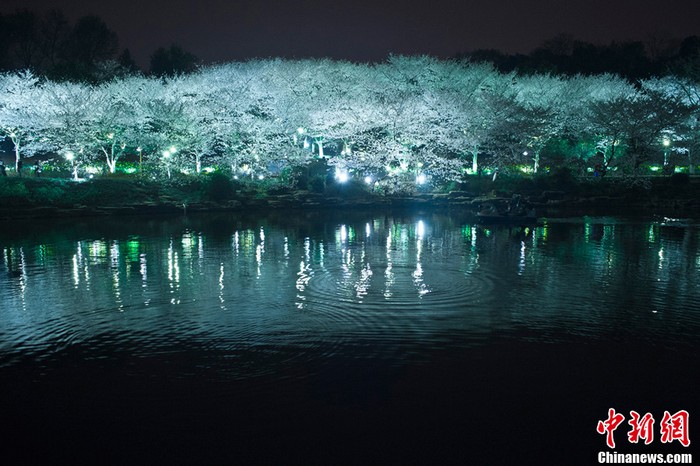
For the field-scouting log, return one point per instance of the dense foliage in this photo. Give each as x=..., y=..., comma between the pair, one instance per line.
x=394, y=125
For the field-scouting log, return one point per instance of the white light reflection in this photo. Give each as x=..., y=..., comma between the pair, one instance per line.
x=114, y=254
x=259, y=249
x=173, y=272
x=22, y=278
x=521, y=265
x=76, y=271
x=235, y=242
x=143, y=270
x=200, y=250
x=303, y=277
x=420, y=229
x=367, y=230
x=388, y=274
x=221, y=285
x=117, y=292
x=418, y=273
x=187, y=242
x=362, y=286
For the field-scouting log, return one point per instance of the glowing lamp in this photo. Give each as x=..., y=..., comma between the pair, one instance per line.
x=342, y=176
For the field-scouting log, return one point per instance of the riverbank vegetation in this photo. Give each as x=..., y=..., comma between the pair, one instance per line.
x=395, y=126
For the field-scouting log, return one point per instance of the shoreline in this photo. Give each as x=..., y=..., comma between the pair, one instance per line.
x=547, y=204
x=50, y=198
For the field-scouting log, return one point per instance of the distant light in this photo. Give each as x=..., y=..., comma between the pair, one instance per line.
x=110, y=136
x=368, y=179
x=173, y=149
x=525, y=153
x=300, y=130
x=261, y=177
x=235, y=177
x=667, y=142
x=138, y=149
x=166, y=153
x=420, y=179
x=70, y=156
x=342, y=176
x=12, y=134
x=209, y=169
x=420, y=229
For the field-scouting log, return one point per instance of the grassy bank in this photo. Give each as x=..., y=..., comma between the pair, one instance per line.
x=36, y=197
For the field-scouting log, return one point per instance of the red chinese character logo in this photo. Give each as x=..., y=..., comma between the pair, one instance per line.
x=641, y=428
x=609, y=425
x=675, y=428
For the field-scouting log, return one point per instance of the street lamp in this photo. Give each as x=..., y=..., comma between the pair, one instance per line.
x=667, y=143
x=70, y=156
x=342, y=176
x=166, y=155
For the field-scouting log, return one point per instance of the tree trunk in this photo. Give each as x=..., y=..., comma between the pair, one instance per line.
x=17, y=155
x=691, y=165
x=612, y=155
x=536, y=160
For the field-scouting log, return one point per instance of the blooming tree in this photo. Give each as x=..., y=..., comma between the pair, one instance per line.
x=23, y=118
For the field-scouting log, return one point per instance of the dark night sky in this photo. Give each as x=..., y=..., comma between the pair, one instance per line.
x=218, y=30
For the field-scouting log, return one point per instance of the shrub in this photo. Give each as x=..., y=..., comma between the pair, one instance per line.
x=218, y=187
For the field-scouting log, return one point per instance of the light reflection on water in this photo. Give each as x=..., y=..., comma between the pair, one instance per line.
x=402, y=283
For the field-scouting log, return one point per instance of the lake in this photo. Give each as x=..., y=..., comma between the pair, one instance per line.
x=363, y=337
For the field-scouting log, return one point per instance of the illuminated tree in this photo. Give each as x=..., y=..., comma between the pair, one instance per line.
x=542, y=98
x=23, y=116
x=675, y=116
x=70, y=129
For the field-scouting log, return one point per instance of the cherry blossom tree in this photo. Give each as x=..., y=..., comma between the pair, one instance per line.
x=22, y=113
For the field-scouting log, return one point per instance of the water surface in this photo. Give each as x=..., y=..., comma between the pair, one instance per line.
x=348, y=337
